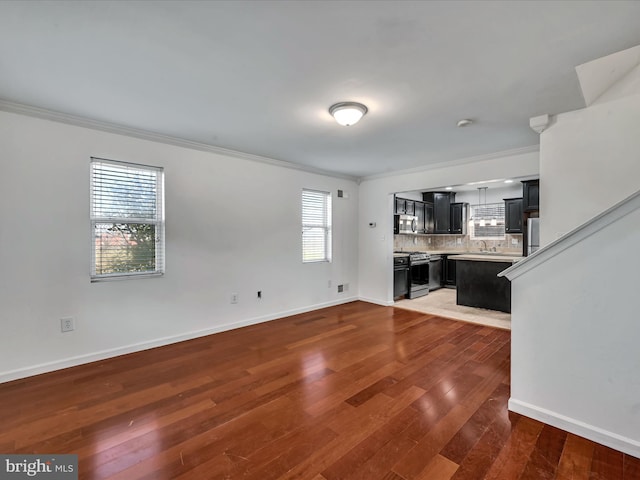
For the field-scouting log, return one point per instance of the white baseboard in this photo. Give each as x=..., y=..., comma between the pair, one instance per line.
x=604, y=437
x=158, y=342
x=375, y=301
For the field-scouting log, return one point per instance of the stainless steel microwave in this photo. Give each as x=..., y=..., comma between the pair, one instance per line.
x=405, y=224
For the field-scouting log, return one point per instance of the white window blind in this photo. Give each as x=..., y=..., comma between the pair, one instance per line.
x=127, y=220
x=487, y=221
x=316, y=226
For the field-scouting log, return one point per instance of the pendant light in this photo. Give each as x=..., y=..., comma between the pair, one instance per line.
x=482, y=223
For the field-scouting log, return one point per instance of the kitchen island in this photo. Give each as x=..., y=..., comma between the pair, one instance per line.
x=478, y=284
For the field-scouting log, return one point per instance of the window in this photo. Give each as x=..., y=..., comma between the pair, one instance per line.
x=487, y=221
x=127, y=220
x=316, y=226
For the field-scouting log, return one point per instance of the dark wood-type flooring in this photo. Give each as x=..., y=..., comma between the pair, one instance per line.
x=356, y=391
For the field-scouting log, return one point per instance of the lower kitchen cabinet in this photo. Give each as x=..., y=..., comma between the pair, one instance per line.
x=400, y=276
x=449, y=272
x=479, y=285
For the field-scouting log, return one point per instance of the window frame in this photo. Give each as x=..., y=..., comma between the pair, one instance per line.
x=475, y=217
x=158, y=221
x=325, y=225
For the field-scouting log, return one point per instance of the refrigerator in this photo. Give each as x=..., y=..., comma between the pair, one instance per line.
x=533, y=235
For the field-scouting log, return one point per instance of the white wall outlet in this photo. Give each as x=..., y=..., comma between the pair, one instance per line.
x=415, y=240
x=234, y=298
x=514, y=241
x=429, y=240
x=459, y=241
x=66, y=324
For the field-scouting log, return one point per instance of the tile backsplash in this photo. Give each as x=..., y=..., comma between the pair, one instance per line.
x=462, y=243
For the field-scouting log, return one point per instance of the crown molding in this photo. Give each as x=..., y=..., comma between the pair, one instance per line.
x=453, y=163
x=108, y=127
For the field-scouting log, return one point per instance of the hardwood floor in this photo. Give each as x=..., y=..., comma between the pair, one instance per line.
x=356, y=391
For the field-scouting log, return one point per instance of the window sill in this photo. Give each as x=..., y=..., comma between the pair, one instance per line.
x=129, y=276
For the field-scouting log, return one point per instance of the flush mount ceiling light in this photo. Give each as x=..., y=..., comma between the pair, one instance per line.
x=348, y=113
x=465, y=122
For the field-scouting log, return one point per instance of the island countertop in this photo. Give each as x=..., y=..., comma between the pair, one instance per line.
x=487, y=257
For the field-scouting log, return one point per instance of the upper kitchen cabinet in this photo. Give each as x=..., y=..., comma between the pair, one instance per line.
x=513, y=215
x=404, y=206
x=419, y=212
x=429, y=220
x=441, y=202
x=530, y=195
x=458, y=221
x=400, y=206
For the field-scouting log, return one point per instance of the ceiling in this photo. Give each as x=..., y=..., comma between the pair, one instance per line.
x=259, y=76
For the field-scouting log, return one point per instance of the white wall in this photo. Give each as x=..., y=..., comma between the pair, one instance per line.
x=574, y=336
x=219, y=241
x=574, y=323
x=376, y=205
x=589, y=159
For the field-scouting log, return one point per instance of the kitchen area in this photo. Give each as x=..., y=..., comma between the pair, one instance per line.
x=459, y=238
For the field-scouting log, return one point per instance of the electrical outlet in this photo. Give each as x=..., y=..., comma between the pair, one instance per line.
x=234, y=298
x=514, y=241
x=66, y=324
x=340, y=288
x=459, y=241
x=259, y=294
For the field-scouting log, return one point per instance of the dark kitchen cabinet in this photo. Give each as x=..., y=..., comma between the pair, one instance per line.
x=429, y=221
x=419, y=212
x=400, y=276
x=479, y=285
x=458, y=222
x=449, y=272
x=398, y=208
x=404, y=206
x=513, y=215
x=410, y=207
x=401, y=206
x=531, y=195
x=441, y=209
x=442, y=214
